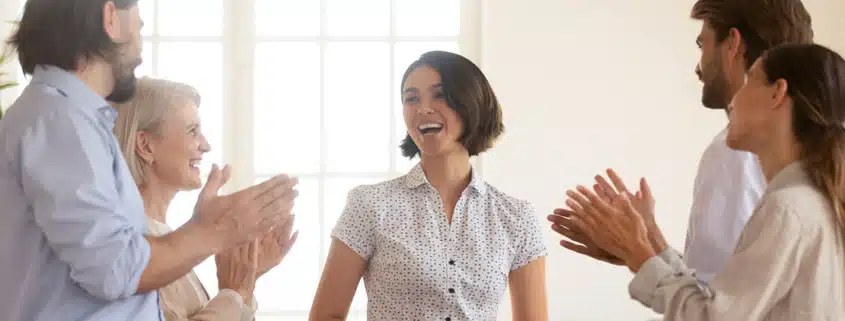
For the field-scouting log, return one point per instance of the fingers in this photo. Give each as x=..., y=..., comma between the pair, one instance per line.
x=570, y=234
x=289, y=244
x=597, y=204
x=645, y=190
x=577, y=202
x=278, y=201
x=281, y=234
x=629, y=206
x=617, y=181
x=293, y=239
x=562, y=212
x=591, y=252
x=270, y=185
x=226, y=174
x=608, y=190
x=213, y=183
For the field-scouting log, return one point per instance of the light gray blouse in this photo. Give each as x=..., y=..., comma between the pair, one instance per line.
x=788, y=264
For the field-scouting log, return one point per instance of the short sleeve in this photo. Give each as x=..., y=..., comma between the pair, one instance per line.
x=356, y=225
x=532, y=244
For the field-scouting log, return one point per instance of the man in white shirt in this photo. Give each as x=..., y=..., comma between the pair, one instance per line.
x=729, y=183
x=727, y=188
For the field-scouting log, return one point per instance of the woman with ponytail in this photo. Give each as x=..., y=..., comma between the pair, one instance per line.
x=789, y=263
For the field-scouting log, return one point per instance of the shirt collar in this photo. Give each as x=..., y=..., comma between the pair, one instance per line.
x=416, y=177
x=789, y=175
x=70, y=86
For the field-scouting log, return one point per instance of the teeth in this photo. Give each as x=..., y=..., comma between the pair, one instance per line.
x=430, y=126
x=195, y=163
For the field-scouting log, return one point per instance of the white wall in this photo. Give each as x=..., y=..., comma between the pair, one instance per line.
x=587, y=85
x=8, y=11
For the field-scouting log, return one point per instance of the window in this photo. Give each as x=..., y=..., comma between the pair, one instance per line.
x=306, y=87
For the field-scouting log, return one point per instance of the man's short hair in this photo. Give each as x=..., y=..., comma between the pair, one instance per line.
x=60, y=32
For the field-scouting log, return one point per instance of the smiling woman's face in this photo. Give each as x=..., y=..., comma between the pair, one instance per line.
x=178, y=148
x=433, y=126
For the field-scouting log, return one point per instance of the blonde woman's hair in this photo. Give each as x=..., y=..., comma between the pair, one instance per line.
x=145, y=112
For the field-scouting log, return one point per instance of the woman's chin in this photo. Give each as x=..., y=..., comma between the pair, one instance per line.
x=192, y=184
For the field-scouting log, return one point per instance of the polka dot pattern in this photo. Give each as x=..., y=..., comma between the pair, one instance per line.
x=420, y=267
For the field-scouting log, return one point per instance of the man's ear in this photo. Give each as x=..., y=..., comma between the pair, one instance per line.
x=111, y=21
x=736, y=44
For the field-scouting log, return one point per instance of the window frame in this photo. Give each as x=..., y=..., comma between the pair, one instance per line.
x=239, y=40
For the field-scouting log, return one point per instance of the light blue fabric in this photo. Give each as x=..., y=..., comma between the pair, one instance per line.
x=71, y=218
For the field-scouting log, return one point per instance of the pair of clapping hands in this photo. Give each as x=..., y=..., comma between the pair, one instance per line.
x=250, y=229
x=609, y=223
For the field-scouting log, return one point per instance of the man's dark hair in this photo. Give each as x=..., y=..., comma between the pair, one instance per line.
x=60, y=32
x=762, y=24
x=467, y=92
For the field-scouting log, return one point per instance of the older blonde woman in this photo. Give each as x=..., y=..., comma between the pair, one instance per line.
x=161, y=138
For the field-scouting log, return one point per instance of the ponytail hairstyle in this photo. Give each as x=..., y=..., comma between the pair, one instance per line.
x=815, y=77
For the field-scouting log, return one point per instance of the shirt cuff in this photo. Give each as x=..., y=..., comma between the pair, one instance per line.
x=232, y=294
x=249, y=311
x=673, y=258
x=648, y=278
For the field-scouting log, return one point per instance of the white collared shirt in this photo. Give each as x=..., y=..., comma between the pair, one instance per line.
x=420, y=267
x=728, y=186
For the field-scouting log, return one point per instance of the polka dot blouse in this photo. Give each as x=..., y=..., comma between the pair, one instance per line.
x=420, y=267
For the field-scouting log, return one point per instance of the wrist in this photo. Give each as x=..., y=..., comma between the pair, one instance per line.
x=656, y=239
x=202, y=237
x=641, y=253
x=246, y=295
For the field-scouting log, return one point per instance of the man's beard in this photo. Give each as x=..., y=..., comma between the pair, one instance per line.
x=714, y=94
x=123, y=72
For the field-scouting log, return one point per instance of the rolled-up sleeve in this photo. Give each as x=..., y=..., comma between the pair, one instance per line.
x=758, y=275
x=68, y=174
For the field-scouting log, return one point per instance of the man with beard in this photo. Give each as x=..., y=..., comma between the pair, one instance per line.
x=72, y=223
x=729, y=183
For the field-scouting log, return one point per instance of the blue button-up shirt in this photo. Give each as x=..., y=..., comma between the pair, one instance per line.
x=71, y=218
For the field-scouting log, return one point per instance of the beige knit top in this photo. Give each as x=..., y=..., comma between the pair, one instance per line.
x=186, y=299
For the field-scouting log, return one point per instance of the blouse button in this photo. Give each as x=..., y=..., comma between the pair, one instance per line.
x=448, y=319
x=451, y=290
x=451, y=262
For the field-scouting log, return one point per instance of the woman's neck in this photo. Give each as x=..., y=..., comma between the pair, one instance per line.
x=157, y=199
x=448, y=174
x=777, y=156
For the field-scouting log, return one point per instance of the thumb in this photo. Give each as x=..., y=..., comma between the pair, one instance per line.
x=216, y=179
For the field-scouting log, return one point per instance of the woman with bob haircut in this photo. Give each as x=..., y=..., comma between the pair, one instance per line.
x=438, y=243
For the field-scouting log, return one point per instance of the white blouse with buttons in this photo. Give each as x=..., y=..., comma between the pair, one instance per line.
x=420, y=267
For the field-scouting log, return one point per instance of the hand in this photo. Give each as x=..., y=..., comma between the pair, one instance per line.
x=235, y=219
x=620, y=230
x=563, y=226
x=642, y=201
x=236, y=270
x=273, y=246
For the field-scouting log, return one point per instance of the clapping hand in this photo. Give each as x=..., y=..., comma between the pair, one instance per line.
x=595, y=221
x=237, y=268
x=232, y=220
x=274, y=245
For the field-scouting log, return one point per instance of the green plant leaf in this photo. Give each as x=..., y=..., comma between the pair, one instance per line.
x=8, y=85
